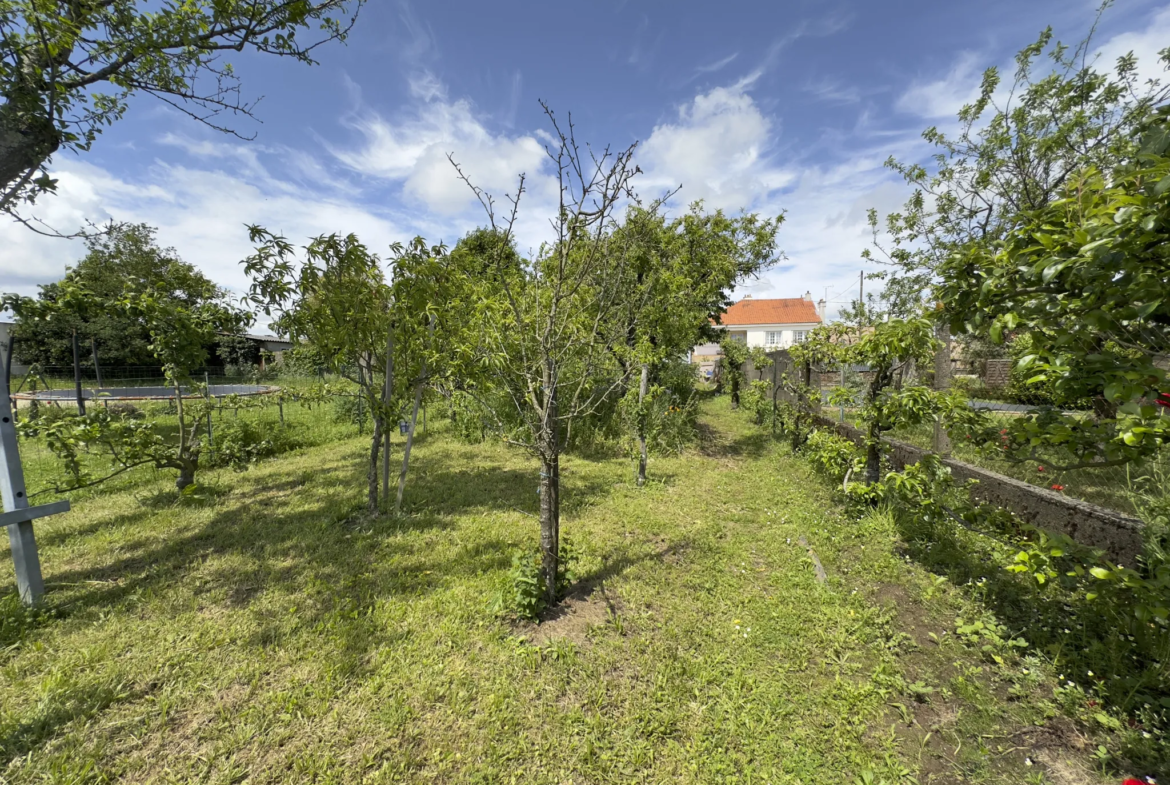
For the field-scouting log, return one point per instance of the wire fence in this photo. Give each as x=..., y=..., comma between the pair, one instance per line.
x=1140, y=488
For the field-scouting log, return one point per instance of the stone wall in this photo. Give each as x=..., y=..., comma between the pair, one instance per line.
x=1118, y=535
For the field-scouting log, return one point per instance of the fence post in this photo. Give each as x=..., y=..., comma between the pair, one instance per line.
x=942, y=381
x=77, y=376
x=842, y=387
x=207, y=397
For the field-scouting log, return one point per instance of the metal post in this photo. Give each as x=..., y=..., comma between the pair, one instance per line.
x=842, y=386
x=77, y=376
x=8, y=362
x=280, y=406
x=97, y=368
x=20, y=533
x=942, y=381
x=207, y=397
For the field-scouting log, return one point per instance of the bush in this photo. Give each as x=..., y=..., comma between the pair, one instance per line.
x=351, y=409
x=757, y=401
x=524, y=595
x=240, y=443
x=832, y=454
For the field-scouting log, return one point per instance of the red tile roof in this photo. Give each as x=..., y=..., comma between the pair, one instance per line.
x=791, y=310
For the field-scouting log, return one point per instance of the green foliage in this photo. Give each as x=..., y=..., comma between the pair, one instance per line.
x=735, y=354
x=124, y=258
x=1084, y=277
x=831, y=454
x=350, y=409
x=757, y=401
x=526, y=595
x=68, y=70
x=239, y=443
x=1099, y=617
x=1008, y=159
x=667, y=415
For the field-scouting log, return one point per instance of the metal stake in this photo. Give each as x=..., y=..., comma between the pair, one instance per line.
x=18, y=516
x=77, y=376
x=207, y=397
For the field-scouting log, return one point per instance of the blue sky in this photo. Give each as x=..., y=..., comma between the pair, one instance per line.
x=782, y=106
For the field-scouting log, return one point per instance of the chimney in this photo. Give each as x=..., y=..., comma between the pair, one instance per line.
x=808, y=296
x=821, y=309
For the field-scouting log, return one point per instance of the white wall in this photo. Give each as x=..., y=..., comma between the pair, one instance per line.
x=757, y=334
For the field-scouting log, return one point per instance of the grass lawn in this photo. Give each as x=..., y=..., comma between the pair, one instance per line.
x=270, y=632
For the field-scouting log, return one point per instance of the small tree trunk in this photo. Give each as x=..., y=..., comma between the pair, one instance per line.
x=387, y=393
x=550, y=490
x=186, y=474
x=372, y=476
x=550, y=522
x=643, y=390
x=418, y=391
x=735, y=393
x=873, y=455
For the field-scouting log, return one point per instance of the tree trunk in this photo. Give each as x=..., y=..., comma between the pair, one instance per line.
x=187, y=471
x=418, y=391
x=550, y=522
x=25, y=143
x=873, y=455
x=387, y=393
x=642, y=392
x=372, y=476
x=734, y=393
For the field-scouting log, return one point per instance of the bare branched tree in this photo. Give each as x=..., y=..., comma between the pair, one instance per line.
x=547, y=329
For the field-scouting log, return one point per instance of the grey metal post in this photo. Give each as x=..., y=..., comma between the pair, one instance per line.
x=97, y=368
x=8, y=362
x=20, y=533
x=942, y=381
x=207, y=397
x=842, y=386
x=77, y=376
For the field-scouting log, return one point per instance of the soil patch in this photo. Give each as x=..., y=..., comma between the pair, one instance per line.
x=571, y=620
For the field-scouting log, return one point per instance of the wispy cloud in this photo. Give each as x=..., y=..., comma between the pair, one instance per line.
x=832, y=91
x=718, y=65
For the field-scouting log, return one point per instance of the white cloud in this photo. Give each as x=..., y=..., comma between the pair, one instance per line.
x=945, y=97
x=1145, y=44
x=717, y=149
x=413, y=149
x=201, y=212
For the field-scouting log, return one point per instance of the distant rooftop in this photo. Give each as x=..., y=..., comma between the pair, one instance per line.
x=789, y=310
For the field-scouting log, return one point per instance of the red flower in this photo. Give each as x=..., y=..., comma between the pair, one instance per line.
x=1057, y=487
x=1132, y=781
x=1039, y=468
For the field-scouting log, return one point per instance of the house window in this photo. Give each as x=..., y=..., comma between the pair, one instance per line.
x=741, y=337
x=798, y=336
x=772, y=338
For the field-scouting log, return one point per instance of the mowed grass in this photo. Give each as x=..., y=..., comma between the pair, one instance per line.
x=271, y=632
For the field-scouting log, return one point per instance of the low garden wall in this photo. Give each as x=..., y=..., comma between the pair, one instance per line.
x=1119, y=536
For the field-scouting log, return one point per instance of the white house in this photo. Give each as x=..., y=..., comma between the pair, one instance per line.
x=772, y=324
